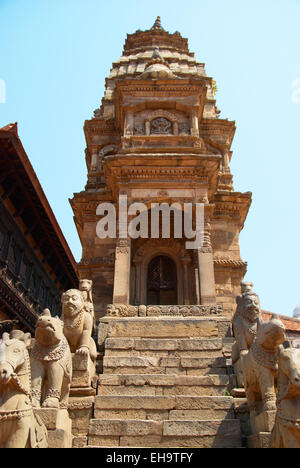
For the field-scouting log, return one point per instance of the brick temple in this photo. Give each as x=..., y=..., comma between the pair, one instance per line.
x=165, y=375
x=158, y=138
x=164, y=310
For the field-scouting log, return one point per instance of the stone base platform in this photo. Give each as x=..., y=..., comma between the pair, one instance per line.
x=59, y=426
x=165, y=383
x=260, y=440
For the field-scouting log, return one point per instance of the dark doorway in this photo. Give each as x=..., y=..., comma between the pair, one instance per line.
x=162, y=282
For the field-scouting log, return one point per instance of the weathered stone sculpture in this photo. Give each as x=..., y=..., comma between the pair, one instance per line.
x=19, y=427
x=78, y=328
x=246, y=319
x=86, y=287
x=260, y=367
x=286, y=432
x=78, y=324
x=51, y=364
x=245, y=323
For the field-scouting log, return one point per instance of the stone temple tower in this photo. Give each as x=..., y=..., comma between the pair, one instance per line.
x=163, y=306
x=158, y=138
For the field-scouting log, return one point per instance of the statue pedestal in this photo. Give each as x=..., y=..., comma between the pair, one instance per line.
x=82, y=397
x=84, y=371
x=59, y=426
x=263, y=422
x=261, y=440
x=81, y=412
x=262, y=426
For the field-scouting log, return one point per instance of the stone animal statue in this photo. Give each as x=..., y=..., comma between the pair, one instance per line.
x=286, y=432
x=86, y=287
x=260, y=367
x=51, y=364
x=245, y=321
x=19, y=427
x=78, y=324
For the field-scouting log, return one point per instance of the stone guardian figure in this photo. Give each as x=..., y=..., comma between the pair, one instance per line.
x=78, y=328
x=245, y=323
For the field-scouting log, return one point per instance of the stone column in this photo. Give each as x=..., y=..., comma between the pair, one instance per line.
x=206, y=270
x=198, y=301
x=175, y=128
x=226, y=166
x=94, y=161
x=137, y=283
x=147, y=127
x=122, y=272
x=194, y=123
x=129, y=124
x=186, y=295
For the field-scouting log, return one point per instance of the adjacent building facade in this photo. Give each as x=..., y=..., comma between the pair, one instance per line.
x=36, y=264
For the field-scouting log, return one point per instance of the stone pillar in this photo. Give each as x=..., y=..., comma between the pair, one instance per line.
x=206, y=270
x=122, y=272
x=194, y=123
x=186, y=295
x=226, y=166
x=94, y=161
x=175, y=127
x=129, y=124
x=198, y=301
x=137, y=300
x=147, y=127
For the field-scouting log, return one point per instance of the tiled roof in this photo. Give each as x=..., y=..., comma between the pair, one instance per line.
x=291, y=324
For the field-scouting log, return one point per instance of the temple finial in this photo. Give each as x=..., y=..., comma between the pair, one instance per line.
x=157, y=24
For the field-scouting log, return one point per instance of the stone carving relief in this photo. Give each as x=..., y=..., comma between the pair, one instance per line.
x=184, y=128
x=161, y=122
x=51, y=364
x=86, y=287
x=163, y=310
x=286, y=432
x=161, y=126
x=19, y=427
x=97, y=113
x=139, y=129
x=108, y=149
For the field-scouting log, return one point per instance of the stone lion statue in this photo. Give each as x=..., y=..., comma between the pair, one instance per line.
x=78, y=324
x=286, y=432
x=51, y=364
x=260, y=366
x=245, y=321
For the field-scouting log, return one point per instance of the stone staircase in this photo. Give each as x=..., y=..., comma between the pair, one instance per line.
x=165, y=383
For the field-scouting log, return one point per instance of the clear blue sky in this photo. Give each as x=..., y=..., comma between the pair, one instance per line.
x=55, y=55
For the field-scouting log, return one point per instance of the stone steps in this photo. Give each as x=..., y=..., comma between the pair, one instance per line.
x=163, y=344
x=164, y=365
x=180, y=433
x=166, y=327
x=163, y=384
x=164, y=407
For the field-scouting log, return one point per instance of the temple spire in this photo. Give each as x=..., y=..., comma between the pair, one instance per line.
x=157, y=25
